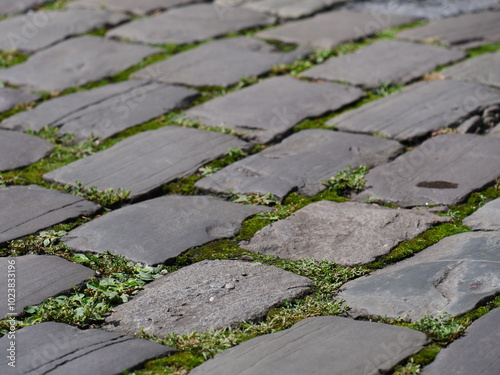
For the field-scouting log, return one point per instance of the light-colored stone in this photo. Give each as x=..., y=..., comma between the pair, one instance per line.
x=486, y=218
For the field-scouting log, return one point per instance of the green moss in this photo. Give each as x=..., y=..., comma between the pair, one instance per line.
x=10, y=58
x=54, y=5
x=488, y=48
x=172, y=365
x=426, y=355
x=220, y=249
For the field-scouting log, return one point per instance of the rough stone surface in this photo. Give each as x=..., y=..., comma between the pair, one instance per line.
x=443, y=170
x=466, y=31
x=139, y=8
x=483, y=69
x=58, y=348
x=146, y=161
x=290, y=9
x=452, y=276
x=385, y=61
x=190, y=24
x=419, y=109
x=211, y=294
x=495, y=132
x=346, y=233
x=50, y=27
x=39, y=277
x=160, y=229
x=19, y=6
x=476, y=353
x=486, y=218
x=9, y=98
x=270, y=109
x=323, y=345
x=327, y=30
x=240, y=57
x=302, y=161
x=64, y=65
x=20, y=150
x=28, y=209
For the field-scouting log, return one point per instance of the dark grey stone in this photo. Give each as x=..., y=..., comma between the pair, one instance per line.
x=240, y=57
x=346, y=233
x=60, y=349
x=290, y=9
x=28, y=209
x=327, y=30
x=478, y=353
x=19, y=6
x=326, y=345
x=419, y=109
x=160, y=229
x=189, y=24
x=38, y=277
x=38, y=30
x=139, y=8
x=482, y=69
x=270, y=109
x=452, y=277
x=64, y=65
x=302, y=161
x=9, y=98
x=486, y=218
x=471, y=125
x=443, y=170
x=466, y=31
x=146, y=161
x=385, y=61
x=211, y=294
x=20, y=150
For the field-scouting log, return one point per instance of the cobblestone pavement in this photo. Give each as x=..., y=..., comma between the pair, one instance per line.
x=249, y=187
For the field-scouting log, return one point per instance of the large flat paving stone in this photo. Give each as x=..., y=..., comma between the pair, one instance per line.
x=347, y=233
x=37, y=30
x=270, y=109
x=465, y=31
x=189, y=24
x=290, y=9
x=482, y=69
x=301, y=162
x=327, y=30
x=19, y=150
x=419, y=109
x=146, y=161
x=385, y=61
x=160, y=229
x=326, y=345
x=486, y=218
x=28, y=209
x=64, y=65
x=476, y=353
x=452, y=277
x=38, y=277
x=241, y=57
x=443, y=170
x=19, y=6
x=211, y=294
x=138, y=8
x=9, y=98
x=60, y=349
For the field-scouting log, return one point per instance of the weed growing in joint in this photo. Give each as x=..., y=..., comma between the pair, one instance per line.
x=108, y=197
x=348, y=180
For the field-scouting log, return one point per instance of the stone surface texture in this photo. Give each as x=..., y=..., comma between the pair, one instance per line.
x=9, y=98
x=18, y=6
x=482, y=69
x=139, y=8
x=19, y=150
x=211, y=294
x=486, y=218
x=290, y=9
x=346, y=233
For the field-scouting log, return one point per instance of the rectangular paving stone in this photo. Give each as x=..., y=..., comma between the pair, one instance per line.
x=483, y=69
x=38, y=277
x=347, y=233
x=189, y=24
x=37, y=30
x=301, y=162
x=210, y=294
x=478, y=352
x=290, y=9
x=28, y=209
x=270, y=109
x=443, y=170
x=452, y=277
x=139, y=8
x=148, y=160
x=19, y=6
x=327, y=30
x=160, y=229
x=9, y=98
x=19, y=150
x=64, y=65
x=386, y=61
x=241, y=57
x=419, y=109
x=323, y=345
x=465, y=31
x=60, y=349
x=486, y=218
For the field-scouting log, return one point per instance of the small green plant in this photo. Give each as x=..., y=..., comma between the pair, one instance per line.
x=265, y=200
x=410, y=368
x=442, y=328
x=107, y=197
x=348, y=180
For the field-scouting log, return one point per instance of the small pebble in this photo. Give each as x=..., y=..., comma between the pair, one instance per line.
x=229, y=286
x=211, y=299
